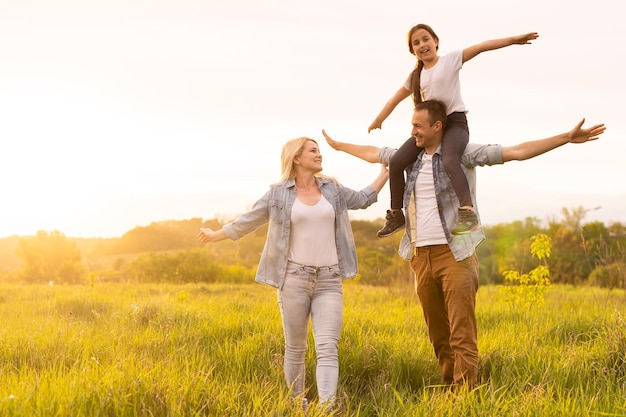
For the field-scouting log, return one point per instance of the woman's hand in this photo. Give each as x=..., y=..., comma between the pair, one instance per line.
x=381, y=179
x=384, y=171
x=207, y=235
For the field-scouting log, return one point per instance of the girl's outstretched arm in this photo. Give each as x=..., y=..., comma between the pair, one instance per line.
x=365, y=152
x=472, y=51
x=400, y=95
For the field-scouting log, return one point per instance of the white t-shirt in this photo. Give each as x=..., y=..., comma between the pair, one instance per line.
x=442, y=82
x=429, y=230
x=312, y=237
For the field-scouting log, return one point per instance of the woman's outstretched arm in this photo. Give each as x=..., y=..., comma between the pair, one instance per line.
x=207, y=235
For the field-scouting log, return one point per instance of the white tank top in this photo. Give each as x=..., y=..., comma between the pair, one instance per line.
x=312, y=238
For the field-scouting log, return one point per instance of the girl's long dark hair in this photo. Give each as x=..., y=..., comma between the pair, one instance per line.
x=416, y=91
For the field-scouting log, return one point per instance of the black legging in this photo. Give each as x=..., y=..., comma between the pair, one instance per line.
x=455, y=138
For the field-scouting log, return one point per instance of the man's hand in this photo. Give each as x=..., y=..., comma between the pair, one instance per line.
x=333, y=143
x=580, y=135
x=525, y=39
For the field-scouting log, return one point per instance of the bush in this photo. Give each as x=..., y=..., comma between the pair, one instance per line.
x=609, y=276
x=192, y=265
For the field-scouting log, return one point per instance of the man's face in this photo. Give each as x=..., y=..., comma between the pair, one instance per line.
x=427, y=135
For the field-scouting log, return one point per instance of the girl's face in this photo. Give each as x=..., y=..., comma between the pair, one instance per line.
x=424, y=45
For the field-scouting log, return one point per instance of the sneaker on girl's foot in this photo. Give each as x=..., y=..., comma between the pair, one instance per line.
x=468, y=222
x=394, y=221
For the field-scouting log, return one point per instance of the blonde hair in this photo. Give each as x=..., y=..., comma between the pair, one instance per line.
x=291, y=150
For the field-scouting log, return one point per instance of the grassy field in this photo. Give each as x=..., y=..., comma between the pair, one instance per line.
x=216, y=350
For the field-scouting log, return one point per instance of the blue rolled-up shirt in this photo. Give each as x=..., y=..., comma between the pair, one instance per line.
x=275, y=207
x=462, y=246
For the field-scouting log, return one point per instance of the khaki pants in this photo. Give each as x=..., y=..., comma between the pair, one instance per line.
x=447, y=291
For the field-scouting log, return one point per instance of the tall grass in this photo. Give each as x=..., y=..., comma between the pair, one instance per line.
x=217, y=350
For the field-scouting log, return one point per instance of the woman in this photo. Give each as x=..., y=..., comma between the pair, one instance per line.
x=309, y=248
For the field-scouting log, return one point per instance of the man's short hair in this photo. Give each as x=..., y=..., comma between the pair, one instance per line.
x=436, y=111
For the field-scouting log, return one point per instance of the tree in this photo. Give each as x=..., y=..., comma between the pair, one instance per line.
x=575, y=246
x=528, y=289
x=505, y=248
x=607, y=251
x=50, y=257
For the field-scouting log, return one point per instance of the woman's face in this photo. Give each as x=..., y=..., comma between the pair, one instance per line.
x=424, y=45
x=311, y=158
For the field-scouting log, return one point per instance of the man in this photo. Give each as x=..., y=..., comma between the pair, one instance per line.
x=445, y=265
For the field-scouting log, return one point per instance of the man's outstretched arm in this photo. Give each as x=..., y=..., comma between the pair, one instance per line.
x=365, y=152
x=534, y=148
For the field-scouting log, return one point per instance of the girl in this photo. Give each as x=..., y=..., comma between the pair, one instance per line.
x=437, y=78
x=309, y=248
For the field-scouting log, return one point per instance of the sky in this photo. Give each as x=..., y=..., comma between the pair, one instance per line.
x=119, y=113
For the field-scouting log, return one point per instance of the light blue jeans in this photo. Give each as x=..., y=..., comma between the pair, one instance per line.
x=314, y=292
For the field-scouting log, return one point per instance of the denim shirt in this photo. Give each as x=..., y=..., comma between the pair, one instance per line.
x=275, y=207
x=462, y=246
